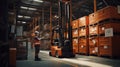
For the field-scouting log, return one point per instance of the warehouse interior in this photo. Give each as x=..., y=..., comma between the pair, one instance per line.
x=94, y=32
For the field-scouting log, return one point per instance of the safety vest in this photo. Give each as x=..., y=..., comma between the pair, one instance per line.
x=36, y=41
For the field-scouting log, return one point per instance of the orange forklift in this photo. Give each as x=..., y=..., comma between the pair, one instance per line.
x=61, y=43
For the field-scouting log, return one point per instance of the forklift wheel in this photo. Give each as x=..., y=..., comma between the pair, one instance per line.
x=73, y=55
x=50, y=54
x=57, y=55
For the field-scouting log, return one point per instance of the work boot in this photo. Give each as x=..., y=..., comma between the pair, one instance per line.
x=37, y=59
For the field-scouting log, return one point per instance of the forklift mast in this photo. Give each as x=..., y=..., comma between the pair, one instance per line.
x=60, y=24
x=63, y=26
x=62, y=46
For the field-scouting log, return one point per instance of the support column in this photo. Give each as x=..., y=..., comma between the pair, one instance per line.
x=95, y=5
x=51, y=22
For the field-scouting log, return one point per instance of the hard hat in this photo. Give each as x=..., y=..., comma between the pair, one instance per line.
x=36, y=32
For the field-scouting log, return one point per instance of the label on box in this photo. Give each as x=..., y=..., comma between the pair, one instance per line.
x=118, y=9
x=109, y=32
x=103, y=28
x=93, y=51
x=94, y=42
x=96, y=49
x=76, y=40
x=75, y=32
x=82, y=46
x=105, y=47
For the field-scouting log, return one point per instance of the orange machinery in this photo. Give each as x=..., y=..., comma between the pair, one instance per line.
x=61, y=45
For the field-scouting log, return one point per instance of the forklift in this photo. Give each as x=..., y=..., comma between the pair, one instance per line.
x=61, y=37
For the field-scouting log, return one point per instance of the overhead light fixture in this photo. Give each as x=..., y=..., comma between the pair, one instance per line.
x=27, y=17
x=22, y=7
x=32, y=8
x=23, y=22
x=19, y=16
x=38, y=1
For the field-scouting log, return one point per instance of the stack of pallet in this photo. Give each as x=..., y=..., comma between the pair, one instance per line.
x=75, y=35
x=104, y=32
x=83, y=35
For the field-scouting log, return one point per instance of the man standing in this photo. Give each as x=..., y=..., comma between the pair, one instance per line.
x=37, y=45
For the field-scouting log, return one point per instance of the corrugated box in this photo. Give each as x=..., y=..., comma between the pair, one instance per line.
x=109, y=46
x=93, y=30
x=83, y=46
x=115, y=26
x=93, y=50
x=105, y=50
x=93, y=41
x=74, y=24
x=109, y=12
x=75, y=33
x=83, y=21
x=75, y=45
x=84, y=31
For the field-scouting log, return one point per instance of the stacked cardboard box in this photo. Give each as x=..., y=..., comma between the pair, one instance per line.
x=83, y=35
x=75, y=34
x=107, y=34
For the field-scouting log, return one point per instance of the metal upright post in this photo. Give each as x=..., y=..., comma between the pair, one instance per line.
x=95, y=6
x=51, y=22
x=60, y=23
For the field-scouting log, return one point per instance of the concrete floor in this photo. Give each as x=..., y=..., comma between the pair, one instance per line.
x=78, y=61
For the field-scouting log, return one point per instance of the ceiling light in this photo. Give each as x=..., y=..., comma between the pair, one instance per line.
x=27, y=17
x=23, y=7
x=38, y=1
x=18, y=21
x=32, y=8
x=19, y=16
x=24, y=22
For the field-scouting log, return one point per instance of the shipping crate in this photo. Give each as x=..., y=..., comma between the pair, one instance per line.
x=83, y=41
x=115, y=26
x=93, y=30
x=109, y=12
x=93, y=41
x=83, y=46
x=75, y=44
x=105, y=50
x=83, y=21
x=83, y=50
x=105, y=41
x=109, y=46
x=83, y=31
x=76, y=48
x=74, y=24
x=75, y=33
x=93, y=50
